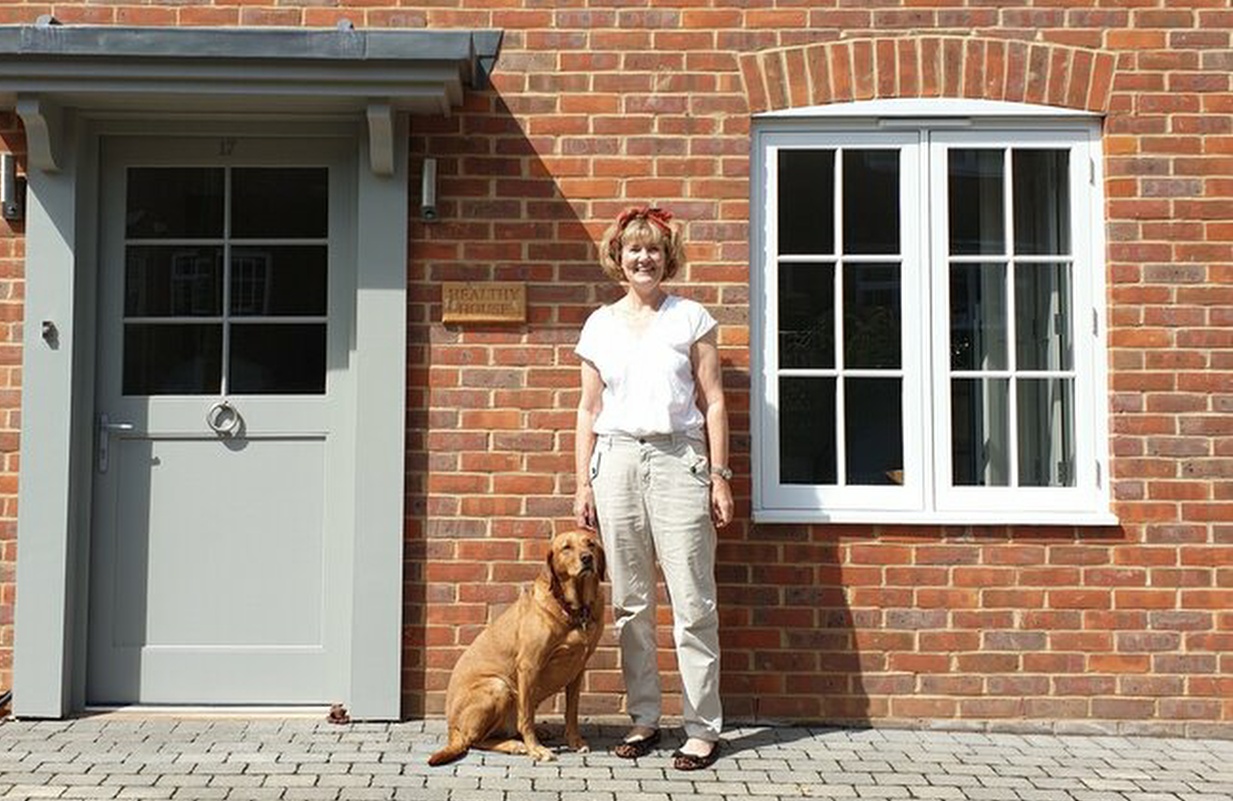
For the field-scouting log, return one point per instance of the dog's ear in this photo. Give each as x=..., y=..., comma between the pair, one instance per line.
x=550, y=571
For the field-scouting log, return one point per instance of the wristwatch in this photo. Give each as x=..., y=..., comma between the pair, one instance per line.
x=723, y=472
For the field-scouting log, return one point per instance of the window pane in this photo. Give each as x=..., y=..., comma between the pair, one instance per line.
x=806, y=315
x=1042, y=317
x=806, y=201
x=871, y=329
x=1046, y=432
x=1041, y=202
x=871, y=201
x=980, y=431
x=174, y=202
x=976, y=208
x=279, y=202
x=163, y=359
x=278, y=358
x=278, y=280
x=978, y=317
x=807, y=431
x=162, y=281
x=873, y=430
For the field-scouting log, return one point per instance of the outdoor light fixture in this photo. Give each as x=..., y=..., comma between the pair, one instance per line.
x=428, y=191
x=12, y=189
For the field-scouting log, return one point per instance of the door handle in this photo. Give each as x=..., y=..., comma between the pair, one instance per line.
x=105, y=429
x=223, y=419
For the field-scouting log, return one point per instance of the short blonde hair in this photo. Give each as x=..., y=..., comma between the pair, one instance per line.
x=645, y=226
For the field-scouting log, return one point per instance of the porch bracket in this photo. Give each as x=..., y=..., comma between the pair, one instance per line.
x=381, y=138
x=44, y=123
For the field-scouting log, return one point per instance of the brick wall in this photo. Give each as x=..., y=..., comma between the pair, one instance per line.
x=12, y=291
x=597, y=104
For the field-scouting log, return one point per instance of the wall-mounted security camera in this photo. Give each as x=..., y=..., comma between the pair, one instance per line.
x=12, y=189
x=428, y=191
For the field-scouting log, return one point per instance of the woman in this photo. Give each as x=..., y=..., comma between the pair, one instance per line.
x=651, y=461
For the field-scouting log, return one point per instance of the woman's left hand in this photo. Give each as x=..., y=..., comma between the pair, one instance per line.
x=722, y=505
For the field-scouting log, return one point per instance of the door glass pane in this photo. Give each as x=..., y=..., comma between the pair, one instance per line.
x=871, y=201
x=1042, y=317
x=174, y=203
x=173, y=281
x=806, y=315
x=976, y=202
x=1046, y=432
x=873, y=430
x=806, y=221
x=980, y=431
x=978, y=317
x=278, y=280
x=171, y=359
x=282, y=358
x=1041, y=202
x=807, y=430
x=871, y=329
x=282, y=202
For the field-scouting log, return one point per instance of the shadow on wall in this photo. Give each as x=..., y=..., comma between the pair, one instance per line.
x=788, y=634
x=491, y=411
x=489, y=405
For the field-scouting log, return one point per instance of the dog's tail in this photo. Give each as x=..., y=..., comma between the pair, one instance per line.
x=456, y=749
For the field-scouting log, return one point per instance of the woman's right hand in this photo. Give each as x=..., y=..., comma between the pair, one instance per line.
x=584, y=508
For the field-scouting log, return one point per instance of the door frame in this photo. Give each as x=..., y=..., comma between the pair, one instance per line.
x=58, y=405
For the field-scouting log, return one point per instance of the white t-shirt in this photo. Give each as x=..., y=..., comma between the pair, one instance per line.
x=648, y=377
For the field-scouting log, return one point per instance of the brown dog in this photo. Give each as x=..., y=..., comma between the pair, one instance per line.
x=536, y=647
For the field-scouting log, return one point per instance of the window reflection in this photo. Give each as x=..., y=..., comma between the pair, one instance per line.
x=283, y=202
x=174, y=202
x=279, y=280
x=806, y=315
x=180, y=281
x=980, y=426
x=172, y=359
x=278, y=358
x=807, y=202
x=807, y=431
x=977, y=204
x=166, y=281
x=1041, y=202
x=871, y=314
x=1042, y=317
x=871, y=201
x=873, y=430
x=1046, y=432
x=978, y=317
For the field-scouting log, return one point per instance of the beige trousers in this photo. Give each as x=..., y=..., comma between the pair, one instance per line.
x=652, y=498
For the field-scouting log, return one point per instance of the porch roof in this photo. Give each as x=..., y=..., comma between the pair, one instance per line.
x=47, y=68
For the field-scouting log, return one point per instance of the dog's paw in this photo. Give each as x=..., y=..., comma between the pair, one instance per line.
x=581, y=747
x=541, y=754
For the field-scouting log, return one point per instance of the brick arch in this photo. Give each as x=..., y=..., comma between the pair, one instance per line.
x=928, y=66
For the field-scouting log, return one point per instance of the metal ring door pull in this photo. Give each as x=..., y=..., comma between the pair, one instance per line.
x=223, y=419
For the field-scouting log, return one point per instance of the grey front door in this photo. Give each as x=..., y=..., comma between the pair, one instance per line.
x=223, y=467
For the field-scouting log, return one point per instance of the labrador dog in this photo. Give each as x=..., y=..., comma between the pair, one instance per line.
x=536, y=647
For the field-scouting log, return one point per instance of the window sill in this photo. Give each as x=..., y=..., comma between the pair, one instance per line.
x=937, y=518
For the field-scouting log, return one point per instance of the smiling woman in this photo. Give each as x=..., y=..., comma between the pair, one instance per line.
x=651, y=461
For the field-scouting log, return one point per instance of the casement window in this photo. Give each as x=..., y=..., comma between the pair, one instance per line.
x=928, y=317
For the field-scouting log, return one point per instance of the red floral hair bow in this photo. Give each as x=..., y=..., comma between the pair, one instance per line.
x=653, y=214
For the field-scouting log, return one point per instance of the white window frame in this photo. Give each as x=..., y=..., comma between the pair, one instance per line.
x=922, y=130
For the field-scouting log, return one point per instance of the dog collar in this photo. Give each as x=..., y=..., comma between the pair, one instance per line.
x=579, y=617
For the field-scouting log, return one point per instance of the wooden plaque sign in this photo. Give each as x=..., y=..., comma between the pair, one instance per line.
x=483, y=302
